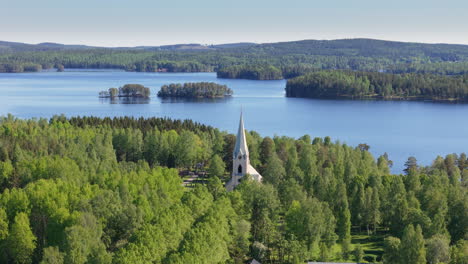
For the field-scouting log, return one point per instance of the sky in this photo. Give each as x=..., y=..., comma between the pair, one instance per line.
x=115, y=23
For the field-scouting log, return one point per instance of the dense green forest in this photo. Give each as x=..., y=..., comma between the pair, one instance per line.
x=353, y=84
x=252, y=72
x=128, y=90
x=350, y=54
x=195, y=90
x=92, y=190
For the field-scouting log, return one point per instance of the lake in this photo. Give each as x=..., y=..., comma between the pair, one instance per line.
x=400, y=128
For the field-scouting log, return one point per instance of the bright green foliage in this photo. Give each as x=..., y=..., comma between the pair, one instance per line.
x=92, y=190
x=217, y=167
x=343, y=219
x=3, y=225
x=52, y=255
x=6, y=169
x=412, y=246
x=21, y=241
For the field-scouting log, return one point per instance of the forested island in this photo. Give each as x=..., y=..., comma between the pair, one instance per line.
x=362, y=85
x=128, y=90
x=108, y=190
x=195, y=90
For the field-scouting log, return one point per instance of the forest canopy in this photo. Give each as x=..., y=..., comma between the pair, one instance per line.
x=353, y=84
x=347, y=54
x=107, y=190
x=128, y=90
x=195, y=90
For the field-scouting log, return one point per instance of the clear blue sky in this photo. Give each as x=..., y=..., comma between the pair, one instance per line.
x=154, y=22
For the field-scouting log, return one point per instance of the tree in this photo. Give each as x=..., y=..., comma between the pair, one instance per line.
x=52, y=255
x=438, y=249
x=274, y=172
x=215, y=186
x=21, y=241
x=217, y=167
x=412, y=246
x=391, y=251
x=3, y=225
x=358, y=253
x=343, y=221
x=410, y=164
x=6, y=170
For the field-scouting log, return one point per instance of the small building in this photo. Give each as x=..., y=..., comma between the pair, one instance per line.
x=241, y=160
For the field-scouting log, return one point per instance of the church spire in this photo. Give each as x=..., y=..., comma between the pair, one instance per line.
x=241, y=141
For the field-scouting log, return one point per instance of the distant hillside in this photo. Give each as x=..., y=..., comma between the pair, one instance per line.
x=291, y=58
x=362, y=47
x=11, y=47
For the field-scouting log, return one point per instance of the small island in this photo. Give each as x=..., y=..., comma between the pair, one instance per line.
x=128, y=90
x=195, y=90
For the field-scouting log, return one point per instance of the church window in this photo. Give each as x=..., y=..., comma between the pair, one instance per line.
x=239, y=169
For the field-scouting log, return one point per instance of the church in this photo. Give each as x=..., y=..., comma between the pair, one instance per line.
x=241, y=160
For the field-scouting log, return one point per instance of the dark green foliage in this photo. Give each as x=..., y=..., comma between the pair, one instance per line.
x=289, y=58
x=353, y=84
x=128, y=90
x=195, y=90
x=252, y=72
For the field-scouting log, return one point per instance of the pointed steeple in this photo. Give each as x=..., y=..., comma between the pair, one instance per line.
x=241, y=141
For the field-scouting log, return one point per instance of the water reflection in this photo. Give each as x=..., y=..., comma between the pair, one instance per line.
x=125, y=100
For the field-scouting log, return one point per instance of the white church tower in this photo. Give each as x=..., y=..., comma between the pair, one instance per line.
x=241, y=160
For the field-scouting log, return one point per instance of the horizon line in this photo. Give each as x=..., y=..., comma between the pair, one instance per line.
x=226, y=43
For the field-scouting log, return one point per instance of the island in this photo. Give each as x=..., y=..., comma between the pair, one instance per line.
x=195, y=90
x=128, y=90
x=336, y=84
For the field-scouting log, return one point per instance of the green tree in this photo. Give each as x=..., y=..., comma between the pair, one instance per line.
x=52, y=255
x=358, y=253
x=3, y=224
x=274, y=172
x=343, y=221
x=21, y=240
x=438, y=249
x=392, y=251
x=217, y=167
x=412, y=246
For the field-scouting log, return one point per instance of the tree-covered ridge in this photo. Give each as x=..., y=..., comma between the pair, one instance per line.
x=92, y=190
x=353, y=54
x=195, y=90
x=252, y=72
x=128, y=90
x=351, y=84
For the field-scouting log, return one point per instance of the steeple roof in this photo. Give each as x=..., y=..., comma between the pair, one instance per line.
x=241, y=141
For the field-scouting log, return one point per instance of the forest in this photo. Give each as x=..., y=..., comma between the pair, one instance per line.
x=269, y=60
x=251, y=72
x=108, y=190
x=359, y=85
x=128, y=90
x=195, y=90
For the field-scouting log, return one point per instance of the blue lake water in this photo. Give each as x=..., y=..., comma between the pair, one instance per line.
x=402, y=129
